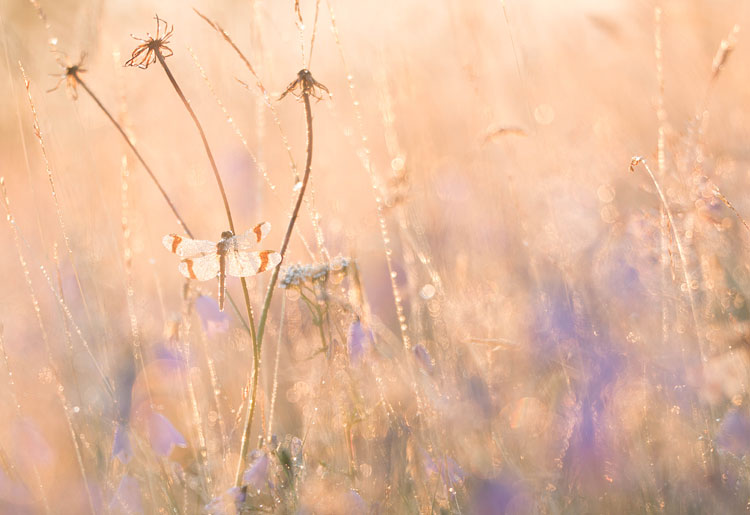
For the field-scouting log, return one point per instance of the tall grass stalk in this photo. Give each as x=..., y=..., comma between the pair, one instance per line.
x=53, y=370
x=51, y=180
x=680, y=251
x=12, y=389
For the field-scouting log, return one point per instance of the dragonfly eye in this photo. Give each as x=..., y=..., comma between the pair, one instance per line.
x=226, y=234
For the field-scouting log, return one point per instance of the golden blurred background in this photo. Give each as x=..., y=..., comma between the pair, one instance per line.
x=474, y=156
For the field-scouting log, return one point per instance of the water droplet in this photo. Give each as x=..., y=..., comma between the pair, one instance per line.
x=427, y=292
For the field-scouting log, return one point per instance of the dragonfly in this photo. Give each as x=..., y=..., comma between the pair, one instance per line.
x=231, y=255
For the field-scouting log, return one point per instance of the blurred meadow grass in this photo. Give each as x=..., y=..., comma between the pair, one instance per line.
x=488, y=305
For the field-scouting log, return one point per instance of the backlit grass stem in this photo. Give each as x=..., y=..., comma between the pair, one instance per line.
x=307, y=87
x=135, y=151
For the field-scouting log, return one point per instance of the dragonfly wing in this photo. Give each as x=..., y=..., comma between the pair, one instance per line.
x=245, y=264
x=185, y=247
x=247, y=240
x=201, y=268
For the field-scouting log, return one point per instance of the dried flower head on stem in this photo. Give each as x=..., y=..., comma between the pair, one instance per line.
x=145, y=53
x=305, y=85
x=296, y=275
x=69, y=75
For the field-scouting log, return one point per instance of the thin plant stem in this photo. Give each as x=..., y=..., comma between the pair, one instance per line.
x=17, y=238
x=314, y=31
x=55, y=198
x=275, y=387
x=680, y=251
x=12, y=388
x=135, y=151
x=219, y=182
x=202, y=133
x=305, y=94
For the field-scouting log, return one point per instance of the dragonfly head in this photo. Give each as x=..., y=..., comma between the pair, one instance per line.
x=226, y=234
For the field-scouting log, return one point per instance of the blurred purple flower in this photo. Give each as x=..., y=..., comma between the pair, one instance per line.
x=491, y=497
x=213, y=321
x=588, y=460
x=359, y=343
x=121, y=448
x=734, y=433
x=169, y=358
x=423, y=358
x=624, y=280
x=127, y=498
x=162, y=435
x=124, y=380
x=478, y=392
x=554, y=324
x=499, y=496
x=567, y=323
x=450, y=471
x=229, y=502
x=256, y=475
x=167, y=352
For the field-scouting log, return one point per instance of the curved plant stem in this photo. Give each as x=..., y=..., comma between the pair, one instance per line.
x=202, y=133
x=135, y=151
x=219, y=182
x=680, y=251
x=305, y=93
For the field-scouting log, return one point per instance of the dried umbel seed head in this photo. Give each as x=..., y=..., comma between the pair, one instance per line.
x=69, y=74
x=146, y=53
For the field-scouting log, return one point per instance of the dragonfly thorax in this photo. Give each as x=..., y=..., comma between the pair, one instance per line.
x=224, y=243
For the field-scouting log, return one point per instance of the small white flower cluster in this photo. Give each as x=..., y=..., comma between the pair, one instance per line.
x=295, y=275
